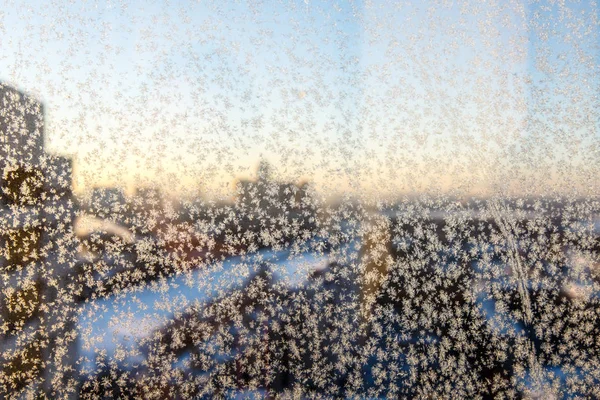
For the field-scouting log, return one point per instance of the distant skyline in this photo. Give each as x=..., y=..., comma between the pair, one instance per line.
x=355, y=96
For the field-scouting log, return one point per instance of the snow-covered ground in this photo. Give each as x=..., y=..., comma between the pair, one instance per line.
x=113, y=327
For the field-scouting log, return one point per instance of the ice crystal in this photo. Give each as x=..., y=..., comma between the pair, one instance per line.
x=300, y=199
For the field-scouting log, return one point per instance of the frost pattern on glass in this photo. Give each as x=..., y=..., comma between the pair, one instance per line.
x=300, y=199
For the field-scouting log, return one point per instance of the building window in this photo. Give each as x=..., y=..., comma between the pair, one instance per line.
x=22, y=186
x=19, y=247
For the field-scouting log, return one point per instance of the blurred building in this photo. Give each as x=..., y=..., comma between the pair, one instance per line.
x=110, y=203
x=265, y=202
x=36, y=251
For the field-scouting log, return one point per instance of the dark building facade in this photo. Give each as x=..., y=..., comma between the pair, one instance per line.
x=36, y=252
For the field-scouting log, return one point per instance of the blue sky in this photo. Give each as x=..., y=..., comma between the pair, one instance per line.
x=365, y=96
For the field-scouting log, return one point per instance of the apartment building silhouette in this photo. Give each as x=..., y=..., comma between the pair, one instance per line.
x=36, y=252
